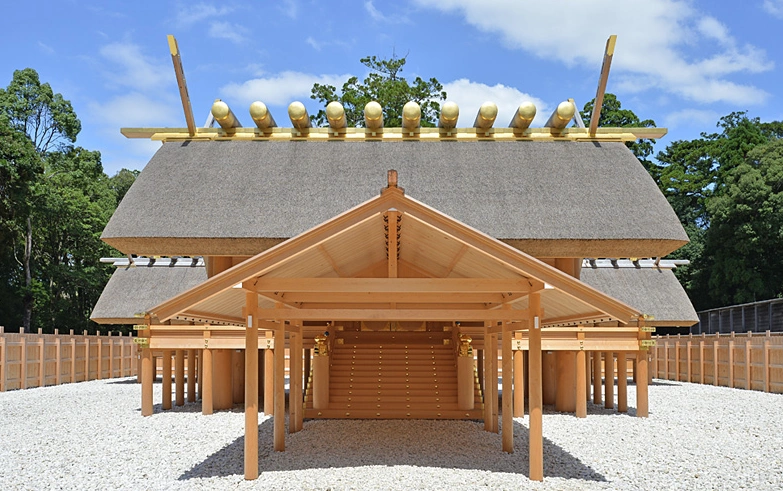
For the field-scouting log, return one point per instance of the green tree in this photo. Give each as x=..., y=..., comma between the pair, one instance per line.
x=384, y=85
x=121, y=182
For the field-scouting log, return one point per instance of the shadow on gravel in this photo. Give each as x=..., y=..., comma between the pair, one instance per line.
x=324, y=444
x=664, y=383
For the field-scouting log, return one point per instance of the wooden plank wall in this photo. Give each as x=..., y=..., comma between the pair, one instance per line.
x=751, y=361
x=37, y=360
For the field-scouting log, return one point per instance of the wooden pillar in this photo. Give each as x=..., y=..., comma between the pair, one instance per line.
x=237, y=377
x=465, y=381
x=565, y=387
x=295, y=383
x=307, y=367
x=493, y=386
x=179, y=376
x=251, y=388
x=269, y=382
x=200, y=375
x=622, y=382
x=279, y=420
x=609, y=380
x=641, y=384
x=320, y=374
x=536, y=436
x=146, y=381
x=191, y=375
x=166, y=379
x=582, y=384
x=519, y=383
x=487, y=368
x=222, y=384
x=588, y=375
x=597, y=397
x=480, y=369
x=207, y=394
x=508, y=398
x=549, y=377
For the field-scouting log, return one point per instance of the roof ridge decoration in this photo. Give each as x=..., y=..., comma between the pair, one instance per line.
x=518, y=129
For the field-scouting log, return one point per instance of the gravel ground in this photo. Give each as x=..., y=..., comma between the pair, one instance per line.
x=91, y=436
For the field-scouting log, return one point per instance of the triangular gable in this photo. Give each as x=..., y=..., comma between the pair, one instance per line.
x=394, y=199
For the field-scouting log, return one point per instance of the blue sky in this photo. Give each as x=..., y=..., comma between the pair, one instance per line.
x=682, y=63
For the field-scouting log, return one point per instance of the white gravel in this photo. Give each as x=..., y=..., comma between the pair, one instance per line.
x=92, y=436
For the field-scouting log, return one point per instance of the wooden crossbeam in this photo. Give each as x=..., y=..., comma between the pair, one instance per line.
x=602, y=80
x=176, y=59
x=393, y=314
x=359, y=286
x=386, y=297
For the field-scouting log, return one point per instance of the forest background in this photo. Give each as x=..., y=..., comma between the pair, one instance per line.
x=55, y=198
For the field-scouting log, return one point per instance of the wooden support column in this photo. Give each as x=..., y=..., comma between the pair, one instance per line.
x=191, y=375
x=549, y=377
x=622, y=382
x=222, y=387
x=519, y=383
x=321, y=374
x=536, y=431
x=200, y=375
x=207, y=394
x=597, y=397
x=237, y=377
x=307, y=368
x=269, y=381
x=609, y=380
x=508, y=398
x=588, y=375
x=582, y=384
x=279, y=420
x=166, y=380
x=295, y=381
x=146, y=381
x=465, y=380
x=565, y=394
x=251, y=388
x=179, y=376
x=480, y=370
x=493, y=382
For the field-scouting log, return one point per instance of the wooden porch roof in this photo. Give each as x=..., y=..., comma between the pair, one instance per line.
x=444, y=270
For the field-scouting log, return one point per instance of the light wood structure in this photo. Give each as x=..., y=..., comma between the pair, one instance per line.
x=391, y=308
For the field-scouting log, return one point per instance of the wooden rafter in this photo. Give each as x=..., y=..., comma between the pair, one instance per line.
x=602, y=80
x=361, y=286
x=393, y=314
x=176, y=59
x=331, y=261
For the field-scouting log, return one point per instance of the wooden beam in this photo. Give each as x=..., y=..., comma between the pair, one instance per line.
x=386, y=297
x=536, y=429
x=391, y=314
x=602, y=80
x=331, y=261
x=361, y=286
x=279, y=416
x=251, y=388
x=455, y=260
x=202, y=317
x=176, y=59
x=508, y=399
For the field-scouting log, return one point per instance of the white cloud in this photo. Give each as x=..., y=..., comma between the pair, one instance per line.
x=654, y=37
x=280, y=89
x=226, y=30
x=774, y=7
x=379, y=16
x=289, y=8
x=189, y=14
x=691, y=117
x=135, y=70
x=135, y=110
x=469, y=96
x=312, y=42
x=46, y=48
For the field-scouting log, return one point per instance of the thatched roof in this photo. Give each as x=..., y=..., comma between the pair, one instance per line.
x=554, y=199
x=132, y=290
x=650, y=290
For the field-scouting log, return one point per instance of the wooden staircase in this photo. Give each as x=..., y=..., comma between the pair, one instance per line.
x=393, y=375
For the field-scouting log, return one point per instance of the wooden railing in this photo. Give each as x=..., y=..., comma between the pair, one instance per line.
x=37, y=360
x=753, y=361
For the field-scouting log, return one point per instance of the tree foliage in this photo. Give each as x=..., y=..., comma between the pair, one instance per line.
x=384, y=85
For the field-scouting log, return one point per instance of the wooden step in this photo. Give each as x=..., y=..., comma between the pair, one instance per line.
x=392, y=414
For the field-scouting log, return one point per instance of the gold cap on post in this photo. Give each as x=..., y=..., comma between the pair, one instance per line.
x=373, y=116
x=335, y=114
x=486, y=116
x=411, y=116
x=561, y=116
x=449, y=114
x=261, y=115
x=524, y=116
x=298, y=115
x=224, y=115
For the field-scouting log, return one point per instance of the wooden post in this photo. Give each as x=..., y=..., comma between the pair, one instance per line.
x=666, y=360
x=269, y=381
x=237, y=376
x=487, y=365
x=565, y=392
x=200, y=375
x=179, y=376
x=207, y=398
x=582, y=384
x=146, y=381
x=688, y=358
x=655, y=370
x=677, y=359
x=465, y=381
x=99, y=364
x=4, y=364
x=766, y=363
x=536, y=431
x=493, y=400
x=609, y=380
x=588, y=377
x=279, y=420
x=307, y=368
x=508, y=398
x=58, y=358
x=715, y=360
x=41, y=359
x=549, y=377
x=597, y=392
x=519, y=383
x=191, y=375
x=480, y=370
x=321, y=358
x=223, y=380
x=295, y=380
x=23, y=359
x=731, y=363
x=748, y=385
x=165, y=382
x=73, y=359
x=622, y=382
x=251, y=388
x=701, y=360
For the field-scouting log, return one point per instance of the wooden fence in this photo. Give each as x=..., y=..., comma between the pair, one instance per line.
x=37, y=360
x=753, y=361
